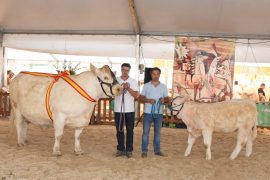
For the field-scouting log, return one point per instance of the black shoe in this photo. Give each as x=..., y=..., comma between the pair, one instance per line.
x=129, y=154
x=119, y=153
x=160, y=154
x=144, y=155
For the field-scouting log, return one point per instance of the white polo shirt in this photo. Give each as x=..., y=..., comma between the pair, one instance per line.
x=129, y=99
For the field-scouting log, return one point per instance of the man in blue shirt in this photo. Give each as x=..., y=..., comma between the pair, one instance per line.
x=154, y=95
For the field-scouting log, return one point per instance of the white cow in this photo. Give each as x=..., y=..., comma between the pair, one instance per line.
x=69, y=108
x=228, y=116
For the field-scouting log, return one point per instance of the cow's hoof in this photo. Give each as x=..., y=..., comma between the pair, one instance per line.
x=186, y=154
x=21, y=144
x=232, y=157
x=248, y=154
x=56, y=153
x=79, y=152
x=208, y=158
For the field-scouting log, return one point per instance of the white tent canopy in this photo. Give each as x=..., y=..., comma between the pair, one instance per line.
x=241, y=18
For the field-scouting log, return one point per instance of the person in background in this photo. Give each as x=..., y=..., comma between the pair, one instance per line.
x=125, y=112
x=154, y=95
x=261, y=93
x=237, y=91
x=10, y=76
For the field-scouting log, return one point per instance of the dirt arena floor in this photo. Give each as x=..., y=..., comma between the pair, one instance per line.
x=35, y=161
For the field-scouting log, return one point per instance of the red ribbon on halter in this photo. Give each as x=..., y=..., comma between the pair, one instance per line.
x=60, y=74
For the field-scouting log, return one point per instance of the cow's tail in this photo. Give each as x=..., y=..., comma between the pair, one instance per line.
x=12, y=128
x=254, y=129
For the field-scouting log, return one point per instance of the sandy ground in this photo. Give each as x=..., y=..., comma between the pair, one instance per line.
x=36, y=162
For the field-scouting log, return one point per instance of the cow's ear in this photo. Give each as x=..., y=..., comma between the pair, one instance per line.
x=106, y=68
x=93, y=68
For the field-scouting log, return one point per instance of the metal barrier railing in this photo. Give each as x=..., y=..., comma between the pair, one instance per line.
x=104, y=115
x=263, y=109
x=5, y=106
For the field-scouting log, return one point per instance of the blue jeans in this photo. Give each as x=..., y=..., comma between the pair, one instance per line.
x=148, y=119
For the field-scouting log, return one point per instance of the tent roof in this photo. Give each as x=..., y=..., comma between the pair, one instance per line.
x=228, y=18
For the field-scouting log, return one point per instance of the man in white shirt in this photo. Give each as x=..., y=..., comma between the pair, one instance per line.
x=124, y=112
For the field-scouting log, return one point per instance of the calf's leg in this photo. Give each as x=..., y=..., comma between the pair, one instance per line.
x=207, y=139
x=241, y=139
x=191, y=141
x=249, y=144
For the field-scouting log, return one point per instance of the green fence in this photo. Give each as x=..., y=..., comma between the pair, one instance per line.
x=263, y=114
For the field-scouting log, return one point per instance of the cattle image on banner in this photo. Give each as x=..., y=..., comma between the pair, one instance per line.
x=203, y=68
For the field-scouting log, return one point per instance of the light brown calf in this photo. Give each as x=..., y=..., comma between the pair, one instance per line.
x=228, y=116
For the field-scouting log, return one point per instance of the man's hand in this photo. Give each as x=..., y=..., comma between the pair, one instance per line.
x=145, y=100
x=165, y=100
x=152, y=101
x=126, y=85
x=162, y=100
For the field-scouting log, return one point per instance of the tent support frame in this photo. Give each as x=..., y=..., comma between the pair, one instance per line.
x=3, y=63
x=188, y=34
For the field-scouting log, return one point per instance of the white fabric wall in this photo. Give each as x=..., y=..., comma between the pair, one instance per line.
x=73, y=44
x=159, y=47
x=257, y=52
x=91, y=45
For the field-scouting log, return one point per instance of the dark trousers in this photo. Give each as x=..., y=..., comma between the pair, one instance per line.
x=129, y=121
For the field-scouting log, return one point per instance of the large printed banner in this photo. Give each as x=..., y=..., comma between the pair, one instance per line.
x=203, y=68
